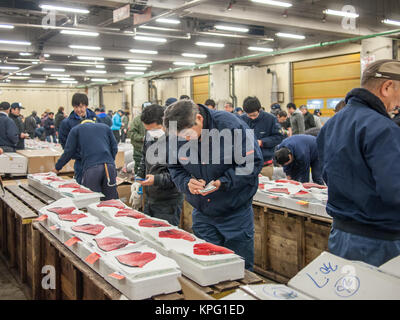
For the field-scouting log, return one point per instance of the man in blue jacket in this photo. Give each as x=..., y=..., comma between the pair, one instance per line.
x=97, y=149
x=215, y=148
x=102, y=117
x=8, y=130
x=116, y=125
x=359, y=150
x=297, y=155
x=81, y=112
x=266, y=129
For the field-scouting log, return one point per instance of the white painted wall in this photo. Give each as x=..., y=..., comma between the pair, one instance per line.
x=219, y=85
x=375, y=49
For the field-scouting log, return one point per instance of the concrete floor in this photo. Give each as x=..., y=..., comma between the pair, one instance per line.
x=9, y=288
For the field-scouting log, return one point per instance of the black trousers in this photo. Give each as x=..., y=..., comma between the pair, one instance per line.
x=117, y=135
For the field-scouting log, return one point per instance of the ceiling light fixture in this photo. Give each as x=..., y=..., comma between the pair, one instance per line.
x=134, y=73
x=8, y=68
x=151, y=39
x=96, y=71
x=210, y=44
x=140, y=61
x=54, y=69
x=260, y=49
x=99, y=66
x=18, y=78
x=143, y=51
x=37, y=81
x=391, y=22
x=183, y=63
x=90, y=58
x=63, y=9
x=194, y=55
x=59, y=75
x=22, y=74
x=292, y=36
x=6, y=26
x=136, y=68
x=168, y=21
x=80, y=33
x=74, y=46
x=25, y=54
x=159, y=28
x=69, y=82
x=274, y=3
x=229, y=28
x=65, y=79
x=46, y=55
x=18, y=43
x=341, y=13
x=98, y=80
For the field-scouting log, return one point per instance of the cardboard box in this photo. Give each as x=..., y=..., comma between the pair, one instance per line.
x=39, y=160
x=68, y=168
x=124, y=193
x=13, y=163
x=120, y=159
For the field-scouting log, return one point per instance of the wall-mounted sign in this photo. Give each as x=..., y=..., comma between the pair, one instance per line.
x=315, y=104
x=331, y=103
x=142, y=17
x=122, y=13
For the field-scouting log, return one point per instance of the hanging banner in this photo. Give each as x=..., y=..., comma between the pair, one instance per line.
x=122, y=13
x=139, y=18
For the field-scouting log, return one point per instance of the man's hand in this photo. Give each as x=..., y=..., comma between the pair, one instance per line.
x=259, y=143
x=1, y=151
x=216, y=184
x=55, y=171
x=196, y=185
x=149, y=181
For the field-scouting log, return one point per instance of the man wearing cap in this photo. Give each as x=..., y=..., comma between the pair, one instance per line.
x=8, y=129
x=275, y=108
x=102, y=117
x=229, y=107
x=15, y=115
x=359, y=152
x=81, y=112
x=117, y=124
x=170, y=101
x=31, y=124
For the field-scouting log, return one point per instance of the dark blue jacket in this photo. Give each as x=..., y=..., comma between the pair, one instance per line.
x=96, y=143
x=8, y=132
x=47, y=127
x=267, y=129
x=237, y=190
x=70, y=122
x=359, y=149
x=104, y=118
x=304, y=150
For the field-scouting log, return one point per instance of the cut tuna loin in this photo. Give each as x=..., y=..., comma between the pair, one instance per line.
x=136, y=259
x=279, y=190
x=130, y=213
x=288, y=181
x=109, y=244
x=81, y=190
x=149, y=223
x=176, y=234
x=72, y=217
x=209, y=249
x=70, y=185
x=60, y=210
x=93, y=229
x=313, y=185
x=54, y=179
x=111, y=203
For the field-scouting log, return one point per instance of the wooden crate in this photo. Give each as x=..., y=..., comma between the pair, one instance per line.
x=186, y=217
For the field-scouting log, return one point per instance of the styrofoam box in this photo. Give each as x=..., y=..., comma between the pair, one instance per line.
x=274, y=292
x=392, y=267
x=329, y=277
x=163, y=278
x=13, y=163
x=238, y=295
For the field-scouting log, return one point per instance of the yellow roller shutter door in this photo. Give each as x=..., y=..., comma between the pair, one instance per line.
x=200, y=89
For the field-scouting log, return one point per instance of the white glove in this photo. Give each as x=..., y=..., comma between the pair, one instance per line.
x=135, y=198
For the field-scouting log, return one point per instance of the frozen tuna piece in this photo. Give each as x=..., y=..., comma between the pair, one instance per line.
x=93, y=229
x=60, y=210
x=150, y=223
x=82, y=190
x=70, y=185
x=110, y=244
x=176, y=234
x=136, y=259
x=313, y=185
x=72, y=217
x=279, y=190
x=288, y=181
x=209, y=249
x=111, y=203
x=130, y=213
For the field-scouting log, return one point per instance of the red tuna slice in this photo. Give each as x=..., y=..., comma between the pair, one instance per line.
x=110, y=244
x=313, y=185
x=301, y=193
x=136, y=259
x=279, y=190
x=261, y=186
x=60, y=210
x=111, y=203
x=93, y=229
x=176, y=234
x=149, y=223
x=209, y=249
x=72, y=217
x=70, y=185
x=54, y=179
x=130, y=213
x=288, y=181
x=81, y=190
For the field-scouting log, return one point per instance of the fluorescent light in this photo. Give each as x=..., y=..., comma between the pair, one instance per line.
x=63, y=9
x=260, y=49
x=140, y=61
x=168, y=21
x=143, y=51
x=46, y=55
x=18, y=43
x=35, y=62
x=96, y=71
x=182, y=63
x=37, y=81
x=274, y=3
x=80, y=33
x=210, y=44
x=288, y=35
x=391, y=22
x=66, y=79
x=73, y=46
x=99, y=66
x=341, y=13
x=58, y=75
x=229, y=28
x=194, y=55
x=25, y=54
x=136, y=68
x=91, y=58
x=151, y=39
x=54, y=69
x=159, y=28
x=98, y=80
x=6, y=26
x=22, y=74
x=8, y=68
x=134, y=73
x=69, y=82
x=18, y=78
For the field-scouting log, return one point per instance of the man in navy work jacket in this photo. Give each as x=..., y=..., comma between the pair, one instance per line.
x=81, y=112
x=97, y=150
x=297, y=155
x=223, y=216
x=359, y=150
x=8, y=130
x=266, y=129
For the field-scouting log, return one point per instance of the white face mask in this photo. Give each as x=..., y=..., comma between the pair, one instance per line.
x=155, y=134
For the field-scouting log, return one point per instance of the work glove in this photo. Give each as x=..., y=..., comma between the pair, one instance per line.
x=135, y=198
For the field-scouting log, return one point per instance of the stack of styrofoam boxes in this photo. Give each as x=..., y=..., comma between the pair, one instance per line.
x=203, y=269
x=157, y=276
x=312, y=201
x=13, y=163
x=49, y=184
